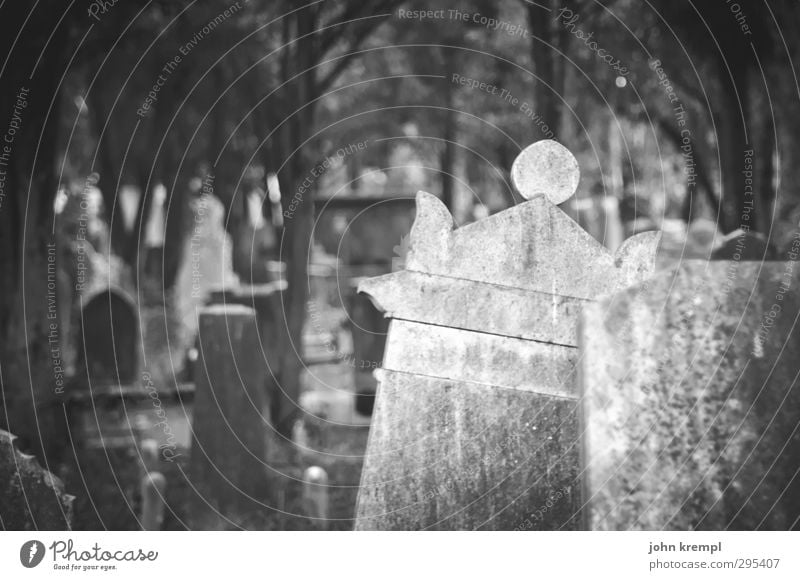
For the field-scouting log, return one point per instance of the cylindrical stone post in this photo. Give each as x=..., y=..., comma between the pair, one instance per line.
x=149, y=455
x=230, y=421
x=153, y=488
x=315, y=496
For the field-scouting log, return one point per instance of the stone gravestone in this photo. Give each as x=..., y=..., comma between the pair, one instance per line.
x=691, y=400
x=268, y=301
x=368, y=327
x=230, y=423
x=31, y=498
x=108, y=339
x=207, y=262
x=475, y=422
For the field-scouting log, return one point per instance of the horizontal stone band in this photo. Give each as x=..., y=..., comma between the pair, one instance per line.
x=476, y=306
x=464, y=355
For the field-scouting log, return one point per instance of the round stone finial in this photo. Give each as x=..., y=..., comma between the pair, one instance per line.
x=546, y=168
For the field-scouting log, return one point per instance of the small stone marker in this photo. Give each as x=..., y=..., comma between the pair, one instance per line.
x=153, y=489
x=31, y=498
x=475, y=423
x=150, y=456
x=230, y=423
x=315, y=496
x=691, y=400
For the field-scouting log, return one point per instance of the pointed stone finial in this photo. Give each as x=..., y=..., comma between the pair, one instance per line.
x=546, y=168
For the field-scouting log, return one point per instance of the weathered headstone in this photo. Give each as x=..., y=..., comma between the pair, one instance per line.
x=268, y=301
x=207, y=262
x=230, y=422
x=475, y=423
x=108, y=338
x=31, y=498
x=691, y=400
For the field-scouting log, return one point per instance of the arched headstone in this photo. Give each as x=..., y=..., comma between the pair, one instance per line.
x=108, y=338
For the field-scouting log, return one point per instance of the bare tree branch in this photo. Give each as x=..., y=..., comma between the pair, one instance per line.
x=354, y=11
x=361, y=31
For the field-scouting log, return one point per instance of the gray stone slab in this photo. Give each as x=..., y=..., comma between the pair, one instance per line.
x=475, y=357
x=230, y=424
x=454, y=455
x=691, y=401
x=268, y=302
x=477, y=306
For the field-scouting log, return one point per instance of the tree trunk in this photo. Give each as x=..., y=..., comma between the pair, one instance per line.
x=29, y=107
x=732, y=142
x=448, y=157
x=298, y=214
x=545, y=84
x=764, y=174
x=176, y=209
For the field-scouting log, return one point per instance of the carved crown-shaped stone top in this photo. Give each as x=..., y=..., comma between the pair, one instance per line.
x=532, y=247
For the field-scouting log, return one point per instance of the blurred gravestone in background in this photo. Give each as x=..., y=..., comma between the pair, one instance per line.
x=231, y=419
x=475, y=423
x=207, y=261
x=691, y=400
x=108, y=351
x=266, y=300
x=362, y=231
